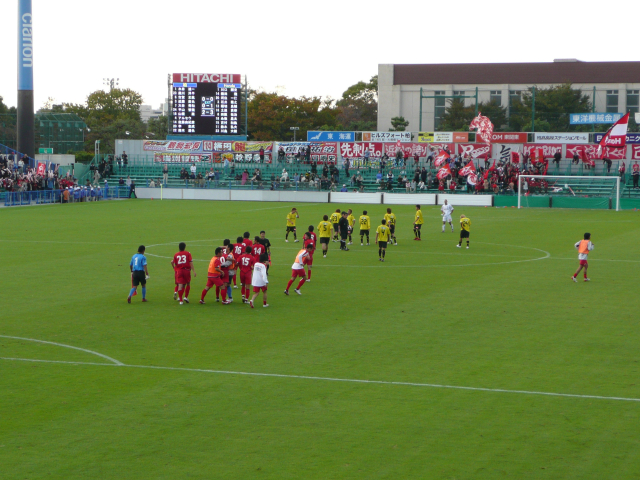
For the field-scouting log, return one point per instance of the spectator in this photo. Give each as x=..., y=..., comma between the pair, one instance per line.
x=165, y=174
x=285, y=175
x=607, y=162
x=344, y=188
x=245, y=176
x=379, y=177
x=194, y=169
x=575, y=160
x=280, y=154
x=261, y=154
x=557, y=157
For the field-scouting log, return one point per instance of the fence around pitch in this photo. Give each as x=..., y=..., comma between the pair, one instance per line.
x=44, y=197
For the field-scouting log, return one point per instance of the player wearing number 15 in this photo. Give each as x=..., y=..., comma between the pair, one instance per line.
x=139, y=273
x=182, y=264
x=383, y=234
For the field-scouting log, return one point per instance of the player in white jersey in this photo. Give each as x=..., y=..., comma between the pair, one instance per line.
x=446, y=210
x=259, y=282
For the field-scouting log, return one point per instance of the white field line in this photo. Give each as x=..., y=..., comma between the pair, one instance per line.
x=330, y=379
x=115, y=362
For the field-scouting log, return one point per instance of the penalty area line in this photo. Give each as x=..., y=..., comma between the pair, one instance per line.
x=331, y=379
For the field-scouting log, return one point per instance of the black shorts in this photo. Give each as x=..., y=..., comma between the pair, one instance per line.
x=392, y=229
x=344, y=235
x=138, y=278
x=464, y=234
x=382, y=244
x=417, y=226
x=364, y=232
x=291, y=229
x=324, y=240
x=335, y=228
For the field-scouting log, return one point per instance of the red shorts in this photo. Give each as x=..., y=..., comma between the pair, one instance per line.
x=183, y=276
x=225, y=276
x=214, y=281
x=258, y=289
x=297, y=273
x=584, y=263
x=245, y=278
x=310, y=262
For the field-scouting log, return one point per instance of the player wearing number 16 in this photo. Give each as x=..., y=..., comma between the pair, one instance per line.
x=139, y=273
x=182, y=264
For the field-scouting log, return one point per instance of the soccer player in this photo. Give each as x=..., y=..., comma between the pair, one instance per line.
x=297, y=269
x=446, y=211
x=228, y=267
x=343, y=226
x=259, y=281
x=584, y=247
x=365, y=226
x=383, y=234
x=310, y=239
x=324, y=232
x=247, y=241
x=246, y=262
x=291, y=225
x=391, y=223
x=215, y=276
x=267, y=245
x=139, y=274
x=352, y=221
x=417, y=223
x=335, y=218
x=258, y=250
x=237, y=249
x=182, y=264
x=465, y=226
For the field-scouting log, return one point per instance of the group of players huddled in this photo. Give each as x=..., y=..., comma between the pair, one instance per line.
x=250, y=260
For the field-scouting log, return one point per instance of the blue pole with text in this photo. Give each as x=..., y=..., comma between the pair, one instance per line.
x=26, y=118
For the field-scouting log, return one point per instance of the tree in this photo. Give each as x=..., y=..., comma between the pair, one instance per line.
x=358, y=107
x=398, y=124
x=457, y=116
x=8, y=122
x=553, y=106
x=158, y=127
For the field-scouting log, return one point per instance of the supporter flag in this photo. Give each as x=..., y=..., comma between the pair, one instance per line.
x=441, y=158
x=489, y=170
x=515, y=157
x=484, y=128
x=616, y=136
x=586, y=157
x=42, y=169
x=468, y=169
x=472, y=179
x=537, y=154
x=443, y=172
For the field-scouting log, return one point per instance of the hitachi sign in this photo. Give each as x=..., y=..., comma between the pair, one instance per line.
x=207, y=78
x=27, y=41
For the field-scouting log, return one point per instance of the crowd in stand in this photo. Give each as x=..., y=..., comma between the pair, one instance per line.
x=17, y=176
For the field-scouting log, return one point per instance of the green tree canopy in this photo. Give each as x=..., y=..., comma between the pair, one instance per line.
x=457, y=116
x=358, y=107
x=8, y=121
x=398, y=124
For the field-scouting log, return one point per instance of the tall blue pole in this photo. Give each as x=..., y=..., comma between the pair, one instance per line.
x=26, y=120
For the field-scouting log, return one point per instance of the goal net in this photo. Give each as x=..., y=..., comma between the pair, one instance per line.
x=565, y=191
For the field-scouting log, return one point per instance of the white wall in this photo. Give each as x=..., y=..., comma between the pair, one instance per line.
x=346, y=197
x=466, y=200
x=58, y=159
x=409, y=199
x=233, y=195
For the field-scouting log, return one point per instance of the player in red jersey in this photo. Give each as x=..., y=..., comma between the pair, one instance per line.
x=237, y=249
x=214, y=276
x=228, y=267
x=247, y=241
x=182, y=264
x=245, y=264
x=258, y=250
x=297, y=269
x=308, y=240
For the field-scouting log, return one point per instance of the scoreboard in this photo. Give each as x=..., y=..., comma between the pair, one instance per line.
x=206, y=103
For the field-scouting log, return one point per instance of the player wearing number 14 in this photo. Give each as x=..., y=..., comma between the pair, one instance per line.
x=182, y=264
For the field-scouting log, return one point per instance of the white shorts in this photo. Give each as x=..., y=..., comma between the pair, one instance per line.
x=446, y=218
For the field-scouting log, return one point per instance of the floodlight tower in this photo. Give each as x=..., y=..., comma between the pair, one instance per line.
x=26, y=117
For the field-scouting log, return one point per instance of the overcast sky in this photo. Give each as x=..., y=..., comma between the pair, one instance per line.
x=297, y=47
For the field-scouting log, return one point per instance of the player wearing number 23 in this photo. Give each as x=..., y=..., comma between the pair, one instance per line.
x=182, y=264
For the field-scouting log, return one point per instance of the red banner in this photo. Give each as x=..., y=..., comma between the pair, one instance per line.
x=474, y=150
x=357, y=149
x=422, y=149
x=635, y=152
x=509, y=137
x=460, y=137
x=42, y=169
x=548, y=149
x=443, y=172
x=592, y=151
x=324, y=152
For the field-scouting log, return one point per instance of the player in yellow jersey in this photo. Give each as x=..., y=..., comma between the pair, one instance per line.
x=465, y=226
x=324, y=234
x=383, y=234
x=417, y=223
x=291, y=225
x=391, y=223
x=352, y=220
x=335, y=218
x=365, y=226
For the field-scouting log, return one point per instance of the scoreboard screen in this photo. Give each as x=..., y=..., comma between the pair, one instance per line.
x=206, y=104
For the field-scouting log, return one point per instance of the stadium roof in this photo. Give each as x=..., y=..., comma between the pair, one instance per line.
x=517, y=73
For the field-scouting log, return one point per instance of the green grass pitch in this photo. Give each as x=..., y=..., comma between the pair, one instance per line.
x=503, y=318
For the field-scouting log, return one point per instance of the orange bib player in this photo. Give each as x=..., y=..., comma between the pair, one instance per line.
x=584, y=247
x=309, y=239
x=297, y=269
x=214, y=276
x=246, y=261
x=182, y=264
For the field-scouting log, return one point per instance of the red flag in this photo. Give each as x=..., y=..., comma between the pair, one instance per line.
x=42, y=169
x=443, y=172
x=441, y=157
x=484, y=128
x=586, y=158
x=537, y=154
x=399, y=145
x=468, y=169
x=472, y=179
x=515, y=157
x=616, y=136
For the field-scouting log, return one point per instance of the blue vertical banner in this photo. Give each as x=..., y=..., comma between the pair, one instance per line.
x=25, y=45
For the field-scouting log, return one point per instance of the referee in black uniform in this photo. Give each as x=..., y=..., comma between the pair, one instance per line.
x=343, y=226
